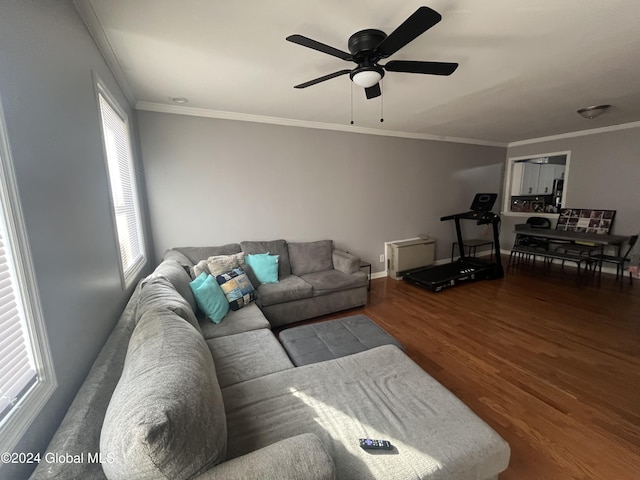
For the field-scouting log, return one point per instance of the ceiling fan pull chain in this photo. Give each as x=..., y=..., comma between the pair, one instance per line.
x=381, y=102
x=351, y=83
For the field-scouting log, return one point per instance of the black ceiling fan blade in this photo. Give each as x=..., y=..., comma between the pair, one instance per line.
x=430, y=68
x=373, y=92
x=322, y=79
x=321, y=47
x=419, y=22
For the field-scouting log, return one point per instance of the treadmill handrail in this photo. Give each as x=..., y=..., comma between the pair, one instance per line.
x=471, y=215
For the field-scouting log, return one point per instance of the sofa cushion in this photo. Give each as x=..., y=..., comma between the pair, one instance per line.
x=247, y=318
x=179, y=278
x=166, y=418
x=247, y=355
x=176, y=256
x=157, y=294
x=195, y=254
x=287, y=289
x=334, y=280
x=237, y=288
x=274, y=247
x=301, y=457
x=379, y=393
x=310, y=257
x=210, y=297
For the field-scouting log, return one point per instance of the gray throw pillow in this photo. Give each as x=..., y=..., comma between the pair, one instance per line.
x=311, y=257
x=166, y=417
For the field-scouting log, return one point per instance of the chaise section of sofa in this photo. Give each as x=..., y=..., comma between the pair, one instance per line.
x=378, y=393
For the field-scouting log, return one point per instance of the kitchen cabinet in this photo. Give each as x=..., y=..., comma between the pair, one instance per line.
x=537, y=178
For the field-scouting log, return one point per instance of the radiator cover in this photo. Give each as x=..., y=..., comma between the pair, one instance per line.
x=408, y=255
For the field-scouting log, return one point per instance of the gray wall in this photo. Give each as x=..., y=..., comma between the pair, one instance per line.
x=46, y=60
x=213, y=181
x=604, y=173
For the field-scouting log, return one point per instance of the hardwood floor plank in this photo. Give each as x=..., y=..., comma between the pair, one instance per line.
x=552, y=365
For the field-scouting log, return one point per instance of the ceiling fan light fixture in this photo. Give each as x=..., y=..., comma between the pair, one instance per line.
x=367, y=77
x=593, y=111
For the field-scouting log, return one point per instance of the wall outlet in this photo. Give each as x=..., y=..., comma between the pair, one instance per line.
x=382, y=258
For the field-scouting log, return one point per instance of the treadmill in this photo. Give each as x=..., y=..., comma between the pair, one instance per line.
x=465, y=269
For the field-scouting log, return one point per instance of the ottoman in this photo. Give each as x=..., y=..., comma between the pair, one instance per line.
x=322, y=341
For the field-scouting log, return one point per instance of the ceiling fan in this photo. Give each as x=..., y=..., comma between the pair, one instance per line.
x=369, y=46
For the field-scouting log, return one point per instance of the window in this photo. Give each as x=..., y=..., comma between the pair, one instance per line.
x=27, y=379
x=536, y=184
x=122, y=182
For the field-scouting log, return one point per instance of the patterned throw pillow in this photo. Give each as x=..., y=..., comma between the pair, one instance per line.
x=237, y=288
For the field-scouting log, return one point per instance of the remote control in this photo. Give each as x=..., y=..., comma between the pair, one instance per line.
x=369, y=444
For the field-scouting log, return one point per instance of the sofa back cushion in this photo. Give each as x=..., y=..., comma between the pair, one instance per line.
x=157, y=294
x=311, y=257
x=195, y=254
x=273, y=247
x=176, y=256
x=166, y=418
x=179, y=278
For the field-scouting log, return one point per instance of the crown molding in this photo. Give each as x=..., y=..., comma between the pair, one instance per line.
x=246, y=117
x=580, y=133
x=92, y=22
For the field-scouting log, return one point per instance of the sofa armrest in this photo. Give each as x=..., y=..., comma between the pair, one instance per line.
x=345, y=262
x=301, y=457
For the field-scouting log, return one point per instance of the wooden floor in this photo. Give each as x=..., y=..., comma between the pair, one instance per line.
x=552, y=366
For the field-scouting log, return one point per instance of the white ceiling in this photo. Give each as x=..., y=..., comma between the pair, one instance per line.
x=525, y=66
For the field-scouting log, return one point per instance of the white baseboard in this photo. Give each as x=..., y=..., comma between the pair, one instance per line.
x=486, y=253
x=442, y=261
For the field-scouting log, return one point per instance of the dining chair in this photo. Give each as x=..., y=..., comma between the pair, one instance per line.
x=618, y=261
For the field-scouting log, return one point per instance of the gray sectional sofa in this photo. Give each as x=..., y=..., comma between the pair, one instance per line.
x=314, y=277
x=175, y=396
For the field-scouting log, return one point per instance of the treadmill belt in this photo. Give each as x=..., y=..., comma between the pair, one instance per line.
x=450, y=274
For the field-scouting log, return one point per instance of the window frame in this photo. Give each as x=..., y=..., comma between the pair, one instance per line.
x=25, y=411
x=508, y=184
x=127, y=277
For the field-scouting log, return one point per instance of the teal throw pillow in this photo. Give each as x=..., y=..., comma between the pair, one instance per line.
x=264, y=266
x=210, y=297
x=237, y=287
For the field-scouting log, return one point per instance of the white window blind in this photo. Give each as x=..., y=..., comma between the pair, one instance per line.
x=17, y=366
x=122, y=180
x=27, y=378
